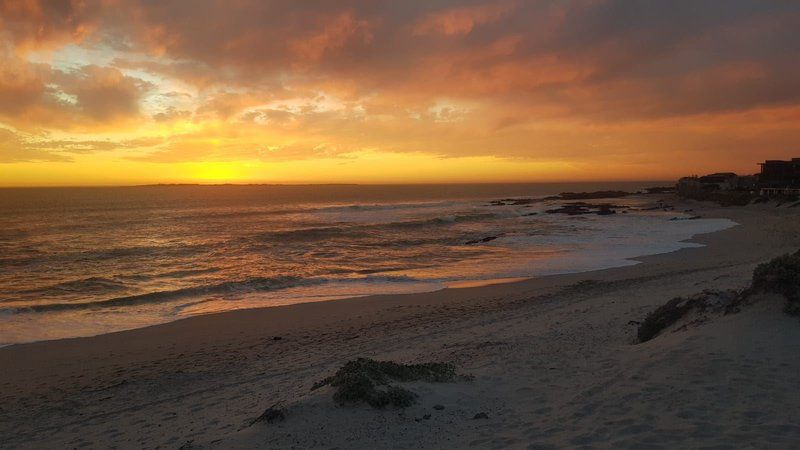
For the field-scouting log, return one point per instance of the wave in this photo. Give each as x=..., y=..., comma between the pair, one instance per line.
x=383, y=206
x=84, y=285
x=362, y=231
x=311, y=234
x=227, y=287
x=242, y=286
x=380, y=270
x=109, y=253
x=97, y=285
x=13, y=234
x=184, y=273
x=240, y=213
x=379, y=279
x=444, y=220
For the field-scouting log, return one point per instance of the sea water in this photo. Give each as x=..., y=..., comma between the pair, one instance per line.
x=85, y=261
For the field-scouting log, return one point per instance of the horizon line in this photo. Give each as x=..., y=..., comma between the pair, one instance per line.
x=325, y=184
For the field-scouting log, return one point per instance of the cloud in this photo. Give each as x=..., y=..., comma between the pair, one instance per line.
x=33, y=24
x=534, y=79
x=547, y=53
x=22, y=85
x=462, y=20
x=170, y=114
x=331, y=36
x=18, y=146
x=35, y=95
x=13, y=149
x=103, y=93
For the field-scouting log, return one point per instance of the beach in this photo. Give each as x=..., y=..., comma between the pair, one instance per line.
x=554, y=363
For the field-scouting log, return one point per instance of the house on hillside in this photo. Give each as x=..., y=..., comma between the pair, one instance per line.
x=779, y=177
x=747, y=183
x=689, y=186
x=699, y=186
x=723, y=181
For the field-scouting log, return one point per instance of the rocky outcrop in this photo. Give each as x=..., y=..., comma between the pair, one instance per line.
x=592, y=195
x=579, y=208
x=482, y=240
x=562, y=196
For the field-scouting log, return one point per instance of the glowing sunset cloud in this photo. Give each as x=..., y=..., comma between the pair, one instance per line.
x=128, y=92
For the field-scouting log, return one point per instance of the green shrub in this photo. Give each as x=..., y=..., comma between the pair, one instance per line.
x=664, y=316
x=272, y=414
x=792, y=309
x=366, y=380
x=779, y=276
x=710, y=300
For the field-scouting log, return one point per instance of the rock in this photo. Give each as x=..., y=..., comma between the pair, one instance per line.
x=685, y=218
x=605, y=210
x=277, y=338
x=570, y=210
x=562, y=196
x=438, y=407
x=480, y=415
x=660, y=190
x=482, y=240
x=592, y=195
x=656, y=207
x=271, y=415
x=577, y=208
x=513, y=201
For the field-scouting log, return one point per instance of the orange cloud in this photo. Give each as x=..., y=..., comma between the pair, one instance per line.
x=104, y=93
x=584, y=83
x=462, y=20
x=31, y=24
x=334, y=34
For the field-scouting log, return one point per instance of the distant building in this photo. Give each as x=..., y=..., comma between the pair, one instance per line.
x=724, y=181
x=747, y=183
x=780, y=177
x=689, y=186
x=777, y=178
x=780, y=174
x=698, y=186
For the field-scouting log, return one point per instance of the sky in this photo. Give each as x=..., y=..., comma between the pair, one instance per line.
x=112, y=92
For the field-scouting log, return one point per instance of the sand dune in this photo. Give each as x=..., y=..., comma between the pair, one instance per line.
x=555, y=363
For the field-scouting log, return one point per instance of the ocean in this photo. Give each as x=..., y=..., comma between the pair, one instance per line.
x=86, y=261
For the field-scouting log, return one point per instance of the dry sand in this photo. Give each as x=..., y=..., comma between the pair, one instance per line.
x=554, y=361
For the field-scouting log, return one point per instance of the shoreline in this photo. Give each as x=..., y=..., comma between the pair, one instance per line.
x=613, y=262
x=230, y=365
x=462, y=284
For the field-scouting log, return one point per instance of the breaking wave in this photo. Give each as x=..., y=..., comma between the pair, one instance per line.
x=249, y=285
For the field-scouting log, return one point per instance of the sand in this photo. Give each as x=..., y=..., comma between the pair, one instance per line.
x=554, y=361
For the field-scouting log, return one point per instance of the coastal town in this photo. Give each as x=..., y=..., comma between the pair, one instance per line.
x=776, y=178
